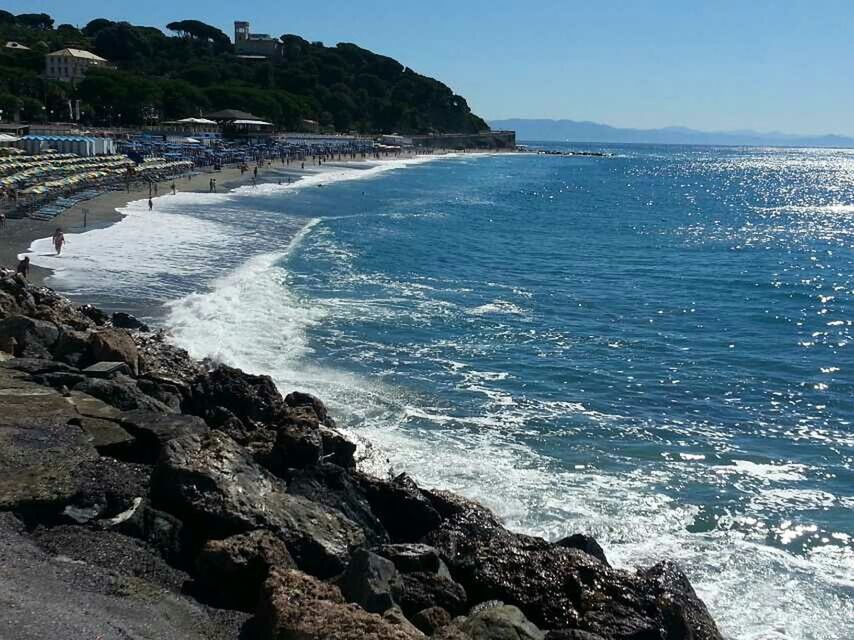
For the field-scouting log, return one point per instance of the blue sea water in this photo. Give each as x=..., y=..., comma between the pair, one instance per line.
x=653, y=347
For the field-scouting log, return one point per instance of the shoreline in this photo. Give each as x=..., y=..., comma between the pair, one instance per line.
x=19, y=234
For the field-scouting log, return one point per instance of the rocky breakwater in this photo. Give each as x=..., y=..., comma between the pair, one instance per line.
x=147, y=495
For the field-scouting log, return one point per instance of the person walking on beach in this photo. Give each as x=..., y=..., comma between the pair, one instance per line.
x=173, y=188
x=150, y=203
x=24, y=267
x=58, y=240
x=211, y=186
x=2, y=219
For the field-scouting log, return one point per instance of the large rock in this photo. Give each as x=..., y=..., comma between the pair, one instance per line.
x=297, y=606
x=421, y=590
x=401, y=507
x=254, y=400
x=152, y=430
x=233, y=570
x=115, y=345
x=336, y=448
x=212, y=482
x=73, y=348
x=122, y=393
x=564, y=588
x=33, y=338
x=104, y=488
x=432, y=619
x=39, y=450
x=584, y=543
x=500, y=623
x=48, y=596
x=334, y=487
x=298, y=399
x=370, y=581
x=124, y=320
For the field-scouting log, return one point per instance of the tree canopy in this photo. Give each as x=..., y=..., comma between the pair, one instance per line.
x=344, y=87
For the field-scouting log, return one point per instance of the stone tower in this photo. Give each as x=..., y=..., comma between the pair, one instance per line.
x=241, y=31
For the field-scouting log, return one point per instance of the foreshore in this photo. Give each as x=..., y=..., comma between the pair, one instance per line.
x=101, y=211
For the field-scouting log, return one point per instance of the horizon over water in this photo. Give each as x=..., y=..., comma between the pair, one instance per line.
x=653, y=348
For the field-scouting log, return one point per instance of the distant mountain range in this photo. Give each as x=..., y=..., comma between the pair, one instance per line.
x=574, y=131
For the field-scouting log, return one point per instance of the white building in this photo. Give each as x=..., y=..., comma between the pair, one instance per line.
x=71, y=65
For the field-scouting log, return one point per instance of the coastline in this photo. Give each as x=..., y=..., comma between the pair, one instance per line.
x=103, y=210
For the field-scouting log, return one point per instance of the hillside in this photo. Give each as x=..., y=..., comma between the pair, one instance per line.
x=575, y=131
x=193, y=69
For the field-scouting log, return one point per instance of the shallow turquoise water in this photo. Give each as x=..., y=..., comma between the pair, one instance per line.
x=653, y=347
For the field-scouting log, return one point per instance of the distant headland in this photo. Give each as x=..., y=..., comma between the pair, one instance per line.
x=576, y=131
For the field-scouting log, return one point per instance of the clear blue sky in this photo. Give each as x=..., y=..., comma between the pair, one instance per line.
x=783, y=65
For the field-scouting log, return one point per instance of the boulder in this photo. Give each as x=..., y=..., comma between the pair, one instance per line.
x=39, y=450
x=233, y=570
x=336, y=448
x=254, y=400
x=297, y=446
x=369, y=581
x=123, y=320
x=564, y=588
x=585, y=543
x=122, y=393
x=421, y=590
x=98, y=317
x=334, y=487
x=169, y=394
x=504, y=622
x=106, y=436
x=115, y=345
x=73, y=348
x=432, y=619
x=401, y=507
x=152, y=430
x=295, y=605
x=300, y=399
x=33, y=338
x=213, y=483
x=54, y=596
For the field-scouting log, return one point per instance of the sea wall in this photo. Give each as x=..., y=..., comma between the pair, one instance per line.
x=502, y=140
x=146, y=494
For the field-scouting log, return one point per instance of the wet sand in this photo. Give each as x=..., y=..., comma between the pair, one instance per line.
x=18, y=235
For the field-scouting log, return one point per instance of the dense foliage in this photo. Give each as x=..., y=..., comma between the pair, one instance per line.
x=194, y=70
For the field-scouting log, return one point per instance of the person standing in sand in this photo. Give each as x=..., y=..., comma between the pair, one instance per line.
x=173, y=188
x=58, y=240
x=2, y=219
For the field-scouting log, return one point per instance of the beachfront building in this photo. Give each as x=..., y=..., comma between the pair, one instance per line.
x=254, y=45
x=71, y=65
x=234, y=122
x=83, y=146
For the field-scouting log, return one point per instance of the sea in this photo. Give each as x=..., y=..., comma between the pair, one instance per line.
x=654, y=347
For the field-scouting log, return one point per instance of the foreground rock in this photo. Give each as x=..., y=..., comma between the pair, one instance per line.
x=295, y=605
x=221, y=491
x=46, y=594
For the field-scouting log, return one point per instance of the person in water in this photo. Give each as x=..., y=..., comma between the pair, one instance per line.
x=58, y=240
x=150, y=203
x=24, y=267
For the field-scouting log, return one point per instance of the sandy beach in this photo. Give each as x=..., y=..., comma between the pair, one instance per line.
x=19, y=234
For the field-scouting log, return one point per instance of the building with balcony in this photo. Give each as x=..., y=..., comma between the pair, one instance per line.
x=71, y=65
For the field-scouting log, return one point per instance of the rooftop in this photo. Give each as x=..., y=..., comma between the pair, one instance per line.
x=77, y=53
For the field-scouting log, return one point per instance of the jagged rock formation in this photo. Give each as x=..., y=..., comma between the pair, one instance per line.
x=168, y=498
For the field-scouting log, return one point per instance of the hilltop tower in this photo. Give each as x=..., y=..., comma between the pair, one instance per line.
x=241, y=31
